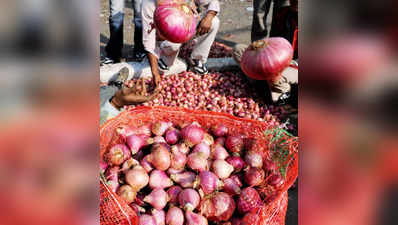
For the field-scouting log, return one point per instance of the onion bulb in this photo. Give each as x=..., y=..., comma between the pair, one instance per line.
x=127, y=193
x=137, y=178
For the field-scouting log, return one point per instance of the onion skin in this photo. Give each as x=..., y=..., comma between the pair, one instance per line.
x=236, y=221
x=234, y=144
x=195, y=219
x=175, y=22
x=146, y=165
x=208, y=139
x=159, y=179
x=249, y=218
x=276, y=180
x=185, y=179
x=172, y=136
x=160, y=157
x=135, y=143
x=182, y=148
x=192, y=135
x=159, y=128
x=189, y=199
x=254, y=176
x=232, y=185
x=219, y=130
x=266, y=59
x=248, y=199
x=237, y=162
x=202, y=147
x=158, y=198
x=254, y=159
x=173, y=193
x=219, y=207
x=112, y=176
x=137, y=178
x=129, y=164
x=159, y=216
x=117, y=155
x=218, y=152
x=175, y=216
x=269, y=166
x=147, y=220
x=209, y=182
x=222, y=169
x=197, y=162
x=127, y=193
x=159, y=139
x=178, y=159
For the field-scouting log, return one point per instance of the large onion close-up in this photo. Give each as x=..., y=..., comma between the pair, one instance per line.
x=175, y=21
x=265, y=59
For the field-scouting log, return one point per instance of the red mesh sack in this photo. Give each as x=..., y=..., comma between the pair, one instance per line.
x=274, y=143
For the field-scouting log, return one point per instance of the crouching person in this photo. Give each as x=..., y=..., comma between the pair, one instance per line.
x=162, y=53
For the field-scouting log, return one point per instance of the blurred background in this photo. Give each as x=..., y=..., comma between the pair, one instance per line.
x=347, y=116
x=50, y=112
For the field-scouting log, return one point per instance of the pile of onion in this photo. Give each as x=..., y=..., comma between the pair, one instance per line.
x=175, y=21
x=265, y=59
x=187, y=174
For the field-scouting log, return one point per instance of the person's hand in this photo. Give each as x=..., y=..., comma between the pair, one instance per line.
x=205, y=23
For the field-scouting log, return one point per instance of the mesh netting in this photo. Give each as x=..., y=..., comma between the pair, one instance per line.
x=273, y=142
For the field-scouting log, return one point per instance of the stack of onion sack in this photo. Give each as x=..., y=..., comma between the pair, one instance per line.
x=183, y=173
x=227, y=92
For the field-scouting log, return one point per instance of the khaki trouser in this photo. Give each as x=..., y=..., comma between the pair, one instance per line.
x=283, y=85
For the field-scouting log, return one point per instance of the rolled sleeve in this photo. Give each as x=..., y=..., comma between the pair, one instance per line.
x=149, y=34
x=212, y=5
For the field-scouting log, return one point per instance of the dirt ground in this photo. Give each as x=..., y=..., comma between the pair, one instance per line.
x=235, y=16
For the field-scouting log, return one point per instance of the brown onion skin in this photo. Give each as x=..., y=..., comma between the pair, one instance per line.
x=262, y=62
x=127, y=193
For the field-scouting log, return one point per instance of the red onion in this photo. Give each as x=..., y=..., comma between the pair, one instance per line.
x=234, y=143
x=222, y=169
x=127, y=193
x=173, y=193
x=137, y=178
x=135, y=143
x=139, y=199
x=125, y=131
x=184, y=179
x=266, y=59
x=146, y=165
x=175, y=216
x=254, y=159
x=172, y=136
x=159, y=128
x=171, y=171
x=147, y=220
x=117, y=154
x=218, y=152
x=248, y=200
x=237, y=221
x=232, y=185
x=159, y=157
x=219, y=207
x=209, y=182
x=159, y=179
x=175, y=22
x=237, y=162
x=202, y=147
x=178, y=159
x=181, y=148
x=208, y=139
x=112, y=177
x=158, y=198
x=197, y=161
x=250, y=218
x=276, y=180
x=269, y=166
x=219, y=130
x=195, y=219
x=138, y=209
x=254, y=176
x=189, y=199
x=159, y=139
x=220, y=141
x=128, y=165
x=192, y=135
x=159, y=216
